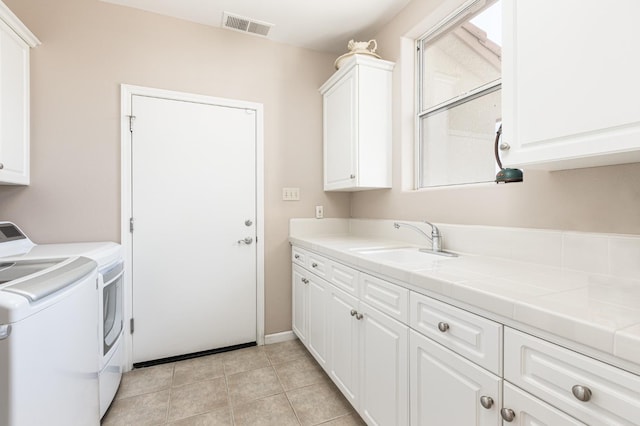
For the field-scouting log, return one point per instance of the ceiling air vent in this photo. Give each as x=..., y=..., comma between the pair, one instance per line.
x=246, y=25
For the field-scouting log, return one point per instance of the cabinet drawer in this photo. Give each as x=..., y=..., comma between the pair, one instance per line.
x=317, y=264
x=476, y=338
x=530, y=411
x=552, y=373
x=344, y=277
x=298, y=256
x=389, y=298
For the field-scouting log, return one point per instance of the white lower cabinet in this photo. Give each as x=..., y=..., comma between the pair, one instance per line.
x=368, y=359
x=589, y=390
x=527, y=410
x=447, y=389
x=401, y=358
x=343, y=343
x=299, y=306
x=384, y=368
x=317, y=301
x=310, y=297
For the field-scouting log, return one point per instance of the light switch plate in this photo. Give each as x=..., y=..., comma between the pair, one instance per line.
x=291, y=194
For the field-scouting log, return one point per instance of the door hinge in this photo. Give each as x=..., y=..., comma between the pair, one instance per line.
x=130, y=224
x=131, y=120
x=131, y=326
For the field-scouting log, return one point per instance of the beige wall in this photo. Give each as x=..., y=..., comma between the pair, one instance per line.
x=604, y=199
x=88, y=49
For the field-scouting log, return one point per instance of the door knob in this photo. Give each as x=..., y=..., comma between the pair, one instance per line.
x=443, y=327
x=246, y=240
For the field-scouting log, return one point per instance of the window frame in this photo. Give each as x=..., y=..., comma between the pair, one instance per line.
x=459, y=15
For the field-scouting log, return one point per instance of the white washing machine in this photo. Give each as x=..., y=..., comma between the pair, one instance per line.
x=48, y=364
x=108, y=256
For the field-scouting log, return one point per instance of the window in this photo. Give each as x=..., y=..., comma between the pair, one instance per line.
x=459, y=105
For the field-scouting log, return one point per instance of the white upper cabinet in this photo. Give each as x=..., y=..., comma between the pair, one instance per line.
x=15, y=42
x=571, y=92
x=357, y=125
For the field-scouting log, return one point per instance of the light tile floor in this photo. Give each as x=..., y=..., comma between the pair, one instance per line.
x=279, y=384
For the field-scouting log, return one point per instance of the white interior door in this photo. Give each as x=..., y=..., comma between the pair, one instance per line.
x=193, y=203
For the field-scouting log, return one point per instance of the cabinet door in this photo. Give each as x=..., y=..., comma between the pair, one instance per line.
x=299, y=306
x=384, y=369
x=343, y=343
x=318, y=297
x=530, y=411
x=340, y=133
x=570, y=91
x=446, y=389
x=14, y=108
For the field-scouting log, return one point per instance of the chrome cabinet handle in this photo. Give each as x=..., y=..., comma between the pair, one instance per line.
x=5, y=331
x=306, y=281
x=297, y=256
x=352, y=176
x=1, y=166
x=443, y=326
x=486, y=402
x=314, y=265
x=507, y=414
x=246, y=240
x=582, y=393
x=505, y=146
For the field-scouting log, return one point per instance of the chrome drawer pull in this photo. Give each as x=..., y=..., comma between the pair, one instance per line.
x=306, y=281
x=486, y=402
x=443, y=326
x=354, y=312
x=582, y=393
x=314, y=265
x=297, y=256
x=507, y=414
x=359, y=316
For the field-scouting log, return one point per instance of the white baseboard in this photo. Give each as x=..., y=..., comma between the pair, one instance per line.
x=279, y=337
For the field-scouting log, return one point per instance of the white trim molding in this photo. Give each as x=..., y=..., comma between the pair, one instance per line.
x=284, y=336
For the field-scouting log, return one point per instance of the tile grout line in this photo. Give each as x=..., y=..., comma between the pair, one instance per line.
x=166, y=414
x=287, y=396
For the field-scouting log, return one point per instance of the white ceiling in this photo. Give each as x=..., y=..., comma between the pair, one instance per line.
x=325, y=25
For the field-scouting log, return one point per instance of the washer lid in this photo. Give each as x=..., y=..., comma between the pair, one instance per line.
x=39, y=279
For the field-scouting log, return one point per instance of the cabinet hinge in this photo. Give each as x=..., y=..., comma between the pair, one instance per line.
x=131, y=325
x=131, y=120
x=130, y=224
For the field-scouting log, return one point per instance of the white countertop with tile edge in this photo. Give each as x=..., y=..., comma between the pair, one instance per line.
x=579, y=290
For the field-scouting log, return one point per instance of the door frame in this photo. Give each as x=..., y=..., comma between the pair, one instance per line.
x=126, y=93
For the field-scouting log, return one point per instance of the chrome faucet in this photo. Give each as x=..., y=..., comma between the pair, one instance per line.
x=435, y=238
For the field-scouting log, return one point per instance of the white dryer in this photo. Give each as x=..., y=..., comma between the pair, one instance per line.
x=108, y=256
